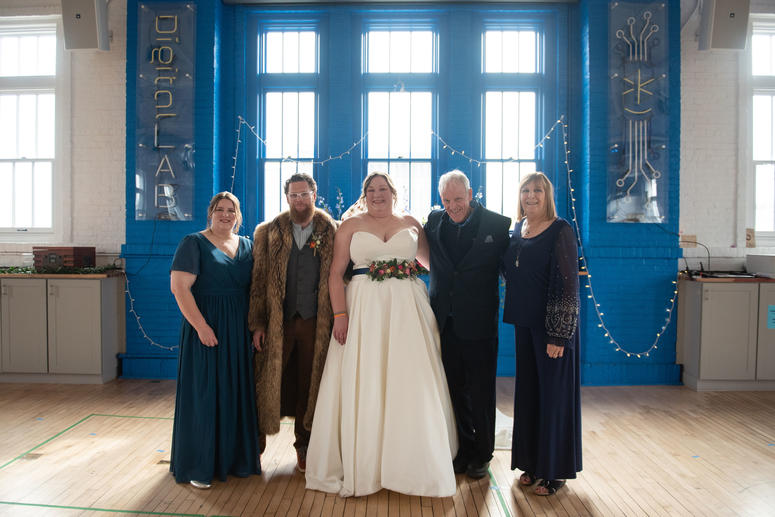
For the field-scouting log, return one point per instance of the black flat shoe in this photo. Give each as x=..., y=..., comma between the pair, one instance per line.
x=551, y=486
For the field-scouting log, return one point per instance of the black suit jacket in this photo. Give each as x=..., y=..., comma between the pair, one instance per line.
x=469, y=291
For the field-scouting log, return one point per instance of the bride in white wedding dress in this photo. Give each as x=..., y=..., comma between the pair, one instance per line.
x=383, y=417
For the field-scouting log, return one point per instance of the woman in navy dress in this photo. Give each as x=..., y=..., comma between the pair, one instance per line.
x=215, y=431
x=542, y=301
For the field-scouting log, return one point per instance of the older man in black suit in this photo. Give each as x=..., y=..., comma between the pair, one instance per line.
x=466, y=244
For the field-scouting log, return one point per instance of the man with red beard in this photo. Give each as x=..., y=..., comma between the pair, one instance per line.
x=290, y=311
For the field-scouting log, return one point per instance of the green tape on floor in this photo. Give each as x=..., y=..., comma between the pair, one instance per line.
x=85, y=508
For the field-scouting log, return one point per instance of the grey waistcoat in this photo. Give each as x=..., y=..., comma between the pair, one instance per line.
x=301, y=284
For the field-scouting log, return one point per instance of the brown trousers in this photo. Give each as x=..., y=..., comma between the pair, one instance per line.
x=298, y=352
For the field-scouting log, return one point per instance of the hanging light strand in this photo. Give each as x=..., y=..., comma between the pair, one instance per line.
x=585, y=267
x=137, y=318
x=453, y=151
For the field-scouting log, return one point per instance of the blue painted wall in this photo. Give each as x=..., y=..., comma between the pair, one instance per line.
x=632, y=265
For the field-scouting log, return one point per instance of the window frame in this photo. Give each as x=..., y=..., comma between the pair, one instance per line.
x=752, y=85
x=342, y=118
x=260, y=23
x=61, y=224
x=410, y=82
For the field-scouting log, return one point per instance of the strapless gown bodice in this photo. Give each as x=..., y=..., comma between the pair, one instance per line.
x=365, y=247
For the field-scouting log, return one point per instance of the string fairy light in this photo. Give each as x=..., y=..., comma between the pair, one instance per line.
x=137, y=318
x=453, y=151
x=585, y=267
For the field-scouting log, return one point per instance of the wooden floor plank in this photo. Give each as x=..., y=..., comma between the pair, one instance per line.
x=656, y=451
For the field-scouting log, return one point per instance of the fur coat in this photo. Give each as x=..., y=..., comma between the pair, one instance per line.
x=272, y=243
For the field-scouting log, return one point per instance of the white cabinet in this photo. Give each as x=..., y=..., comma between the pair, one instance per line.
x=23, y=333
x=723, y=340
x=62, y=329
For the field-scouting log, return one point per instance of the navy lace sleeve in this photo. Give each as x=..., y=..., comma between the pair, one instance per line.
x=562, y=305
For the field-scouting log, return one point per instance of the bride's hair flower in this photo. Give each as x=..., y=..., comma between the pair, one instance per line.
x=380, y=270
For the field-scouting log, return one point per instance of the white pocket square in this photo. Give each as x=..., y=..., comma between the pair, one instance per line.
x=488, y=239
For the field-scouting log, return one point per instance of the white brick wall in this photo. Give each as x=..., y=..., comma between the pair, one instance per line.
x=98, y=129
x=713, y=171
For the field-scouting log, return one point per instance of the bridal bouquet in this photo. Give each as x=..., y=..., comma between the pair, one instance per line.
x=380, y=270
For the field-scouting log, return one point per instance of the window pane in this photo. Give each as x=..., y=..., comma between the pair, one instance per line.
x=399, y=124
x=274, y=52
x=762, y=127
x=510, y=125
x=9, y=56
x=510, y=48
x=274, y=125
x=307, y=52
x=493, y=130
x=527, y=52
x=42, y=185
x=379, y=122
x=273, y=190
x=379, y=52
x=23, y=194
x=8, y=104
x=290, y=52
x=28, y=54
x=422, y=52
x=510, y=52
x=45, y=126
x=28, y=108
x=527, y=121
x=761, y=54
x=306, y=125
x=422, y=114
x=493, y=48
x=421, y=190
x=765, y=198
x=377, y=167
x=399, y=172
x=399, y=52
x=47, y=53
x=510, y=192
x=494, y=190
x=6, y=195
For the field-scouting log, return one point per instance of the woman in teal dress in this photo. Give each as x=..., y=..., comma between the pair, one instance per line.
x=215, y=431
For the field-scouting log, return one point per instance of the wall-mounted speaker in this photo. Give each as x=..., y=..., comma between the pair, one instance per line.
x=724, y=24
x=85, y=24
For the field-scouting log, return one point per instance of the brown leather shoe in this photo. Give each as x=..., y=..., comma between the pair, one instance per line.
x=301, y=460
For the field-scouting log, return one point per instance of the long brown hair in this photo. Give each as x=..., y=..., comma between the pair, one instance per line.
x=214, y=203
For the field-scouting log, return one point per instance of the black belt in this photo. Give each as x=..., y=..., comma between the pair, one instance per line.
x=360, y=271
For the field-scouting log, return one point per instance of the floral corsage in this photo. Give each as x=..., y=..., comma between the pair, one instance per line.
x=314, y=242
x=380, y=270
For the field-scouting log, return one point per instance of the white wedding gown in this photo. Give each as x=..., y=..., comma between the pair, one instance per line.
x=383, y=417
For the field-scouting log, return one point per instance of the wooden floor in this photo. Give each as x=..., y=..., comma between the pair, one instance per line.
x=99, y=450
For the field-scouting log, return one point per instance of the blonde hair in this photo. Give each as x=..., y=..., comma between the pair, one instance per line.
x=541, y=179
x=360, y=205
x=214, y=203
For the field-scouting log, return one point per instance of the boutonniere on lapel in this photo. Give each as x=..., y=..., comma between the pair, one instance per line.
x=314, y=242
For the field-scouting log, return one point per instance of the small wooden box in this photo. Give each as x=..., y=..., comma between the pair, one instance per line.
x=47, y=258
